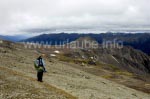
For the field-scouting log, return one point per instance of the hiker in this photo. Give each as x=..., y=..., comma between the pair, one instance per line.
x=40, y=67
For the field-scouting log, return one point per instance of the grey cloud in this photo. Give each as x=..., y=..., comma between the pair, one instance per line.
x=19, y=16
x=37, y=30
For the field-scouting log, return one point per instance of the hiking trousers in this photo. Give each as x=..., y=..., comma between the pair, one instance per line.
x=40, y=76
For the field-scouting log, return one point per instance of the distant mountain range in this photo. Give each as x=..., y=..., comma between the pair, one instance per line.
x=14, y=38
x=139, y=41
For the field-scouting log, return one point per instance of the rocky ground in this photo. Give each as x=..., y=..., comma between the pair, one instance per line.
x=62, y=81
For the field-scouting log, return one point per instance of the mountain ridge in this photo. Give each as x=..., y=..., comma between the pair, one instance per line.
x=139, y=41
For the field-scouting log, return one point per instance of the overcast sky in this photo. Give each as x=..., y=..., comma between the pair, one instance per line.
x=36, y=16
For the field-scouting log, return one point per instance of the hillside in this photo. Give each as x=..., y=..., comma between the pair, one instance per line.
x=112, y=63
x=16, y=82
x=62, y=81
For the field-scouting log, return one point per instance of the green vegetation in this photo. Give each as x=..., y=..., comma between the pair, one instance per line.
x=124, y=73
x=64, y=58
x=108, y=76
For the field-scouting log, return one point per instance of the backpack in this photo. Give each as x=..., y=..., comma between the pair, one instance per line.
x=40, y=62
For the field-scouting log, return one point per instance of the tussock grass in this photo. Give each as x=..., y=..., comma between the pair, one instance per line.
x=124, y=73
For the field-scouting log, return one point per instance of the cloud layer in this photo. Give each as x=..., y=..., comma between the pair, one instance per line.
x=34, y=16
